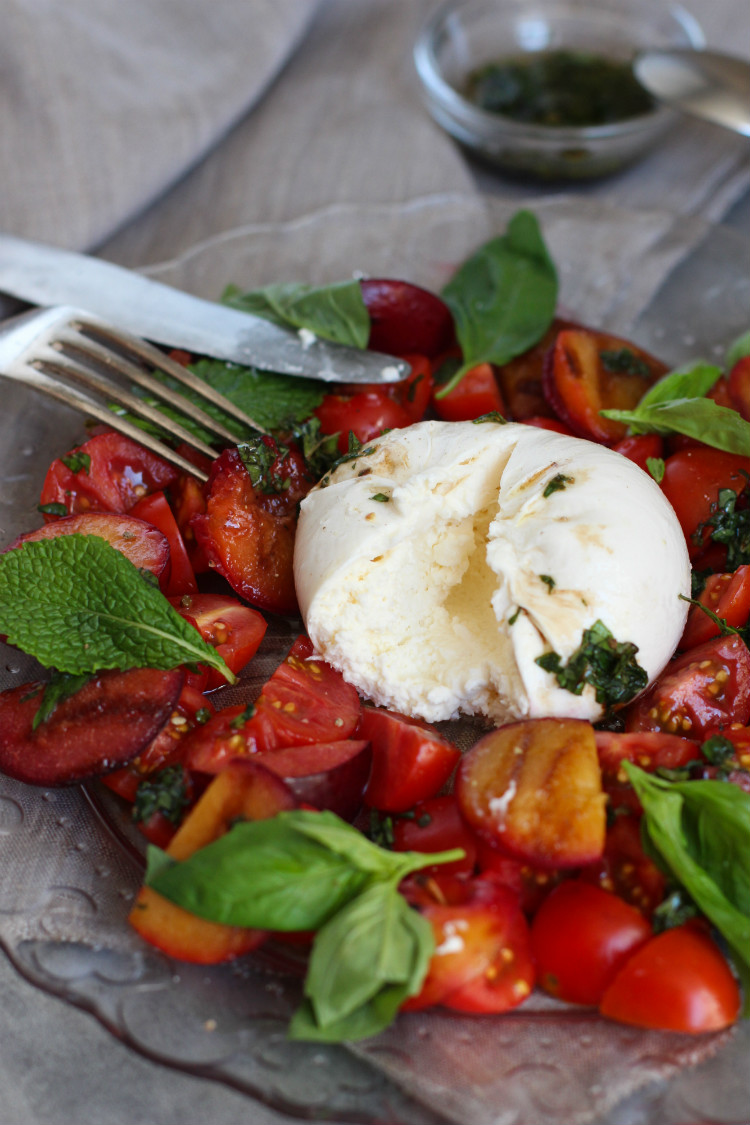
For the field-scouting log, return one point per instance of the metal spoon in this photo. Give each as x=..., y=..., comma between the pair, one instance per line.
x=706, y=84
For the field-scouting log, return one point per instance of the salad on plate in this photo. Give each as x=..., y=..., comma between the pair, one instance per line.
x=508, y=749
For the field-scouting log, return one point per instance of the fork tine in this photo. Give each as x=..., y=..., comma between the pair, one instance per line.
x=153, y=357
x=40, y=381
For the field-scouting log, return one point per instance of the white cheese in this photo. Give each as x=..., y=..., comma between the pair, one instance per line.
x=411, y=595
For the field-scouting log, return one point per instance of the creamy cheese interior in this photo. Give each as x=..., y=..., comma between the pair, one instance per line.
x=433, y=570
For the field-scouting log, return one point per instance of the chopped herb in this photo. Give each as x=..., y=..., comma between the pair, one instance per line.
x=319, y=450
x=557, y=484
x=607, y=665
x=674, y=910
x=164, y=792
x=381, y=497
x=354, y=451
x=514, y=617
x=202, y=715
x=262, y=458
x=412, y=389
x=77, y=462
x=59, y=688
x=729, y=525
x=549, y=582
x=380, y=829
x=656, y=467
x=623, y=361
x=491, y=416
x=718, y=750
x=725, y=629
x=239, y=721
x=53, y=509
x=698, y=581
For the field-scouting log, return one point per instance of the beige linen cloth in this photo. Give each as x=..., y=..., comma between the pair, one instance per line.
x=139, y=129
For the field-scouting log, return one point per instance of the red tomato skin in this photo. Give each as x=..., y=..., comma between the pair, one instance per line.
x=639, y=448
x=410, y=760
x=677, y=981
x=580, y=936
x=365, y=414
x=436, y=825
x=406, y=318
x=120, y=473
x=552, y=424
x=155, y=510
x=738, y=387
x=478, y=393
x=728, y=596
x=625, y=869
x=651, y=750
x=235, y=630
x=413, y=393
x=692, y=480
x=705, y=687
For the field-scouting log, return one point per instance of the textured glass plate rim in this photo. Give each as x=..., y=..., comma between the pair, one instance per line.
x=444, y=210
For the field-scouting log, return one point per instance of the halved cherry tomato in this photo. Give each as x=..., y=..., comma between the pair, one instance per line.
x=651, y=750
x=410, y=760
x=305, y=701
x=415, y=392
x=726, y=595
x=365, y=414
x=738, y=386
x=531, y=884
x=640, y=448
x=235, y=630
x=406, y=318
x=677, y=981
x=482, y=960
x=580, y=936
x=248, y=533
x=625, y=869
x=692, y=480
x=436, y=825
x=155, y=510
x=586, y=372
x=707, y=686
x=476, y=394
x=108, y=473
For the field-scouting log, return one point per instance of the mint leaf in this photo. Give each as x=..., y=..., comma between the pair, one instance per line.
x=78, y=605
x=59, y=688
x=699, y=418
x=701, y=832
x=503, y=298
x=335, y=312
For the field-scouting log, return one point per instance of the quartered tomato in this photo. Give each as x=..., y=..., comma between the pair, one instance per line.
x=728, y=596
x=155, y=510
x=677, y=981
x=580, y=936
x=586, y=372
x=475, y=395
x=625, y=869
x=247, y=530
x=692, y=480
x=108, y=473
x=411, y=761
x=365, y=414
x=482, y=960
x=405, y=318
x=707, y=686
x=235, y=630
x=648, y=749
x=436, y=825
x=305, y=701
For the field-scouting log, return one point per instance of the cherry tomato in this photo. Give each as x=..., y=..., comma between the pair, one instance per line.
x=155, y=510
x=476, y=394
x=235, y=630
x=706, y=686
x=738, y=386
x=692, y=480
x=406, y=318
x=677, y=981
x=640, y=448
x=625, y=869
x=531, y=884
x=728, y=596
x=436, y=825
x=108, y=473
x=580, y=936
x=413, y=393
x=651, y=750
x=248, y=532
x=305, y=701
x=482, y=960
x=365, y=414
x=586, y=372
x=410, y=760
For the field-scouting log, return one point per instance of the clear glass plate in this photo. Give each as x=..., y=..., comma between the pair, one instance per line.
x=68, y=875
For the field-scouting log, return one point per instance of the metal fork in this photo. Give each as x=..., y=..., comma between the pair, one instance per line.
x=56, y=350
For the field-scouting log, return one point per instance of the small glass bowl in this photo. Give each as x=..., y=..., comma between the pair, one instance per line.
x=467, y=34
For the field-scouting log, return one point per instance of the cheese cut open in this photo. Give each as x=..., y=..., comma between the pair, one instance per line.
x=433, y=569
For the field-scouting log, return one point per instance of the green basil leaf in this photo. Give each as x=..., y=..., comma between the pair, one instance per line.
x=690, y=382
x=364, y=962
x=503, y=298
x=335, y=312
x=262, y=874
x=699, y=418
x=78, y=605
x=738, y=349
x=701, y=832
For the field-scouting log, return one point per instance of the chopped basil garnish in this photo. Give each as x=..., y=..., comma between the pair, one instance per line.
x=609, y=666
x=259, y=456
x=164, y=792
x=623, y=361
x=557, y=484
x=77, y=462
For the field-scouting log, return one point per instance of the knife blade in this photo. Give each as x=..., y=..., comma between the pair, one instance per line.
x=46, y=275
